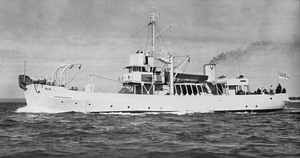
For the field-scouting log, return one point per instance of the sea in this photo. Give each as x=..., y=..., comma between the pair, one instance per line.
x=28, y=133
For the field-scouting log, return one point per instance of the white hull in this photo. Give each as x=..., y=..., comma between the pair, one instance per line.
x=64, y=100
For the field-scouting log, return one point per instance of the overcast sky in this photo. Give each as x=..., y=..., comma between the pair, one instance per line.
x=47, y=33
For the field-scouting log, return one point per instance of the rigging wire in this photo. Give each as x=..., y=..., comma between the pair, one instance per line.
x=238, y=65
x=195, y=65
x=158, y=29
x=105, y=78
x=109, y=52
x=161, y=37
x=147, y=39
x=71, y=78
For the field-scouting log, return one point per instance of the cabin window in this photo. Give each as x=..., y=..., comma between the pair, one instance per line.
x=194, y=88
x=138, y=69
x=130, y=69
x=183, y=87
x=189, y=89
x=232, y=87
x=199, y=88
x=204, y=89
x=178, y=89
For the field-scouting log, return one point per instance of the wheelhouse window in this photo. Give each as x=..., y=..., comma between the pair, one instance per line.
x=143, y=69
x=130, y=69
x=136, y=69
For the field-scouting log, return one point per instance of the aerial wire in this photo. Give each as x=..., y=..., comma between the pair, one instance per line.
x=158, y=29
x=239, y=65
x=105, y=78
x=147, y=39
x=108, y=53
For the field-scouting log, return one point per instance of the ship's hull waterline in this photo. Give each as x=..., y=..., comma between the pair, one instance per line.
x=64, y=100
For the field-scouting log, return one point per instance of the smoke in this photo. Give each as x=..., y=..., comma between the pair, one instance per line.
x=260, y=62
x=242, y=52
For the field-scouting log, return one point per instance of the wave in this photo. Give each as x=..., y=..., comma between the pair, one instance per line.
x=37, y=109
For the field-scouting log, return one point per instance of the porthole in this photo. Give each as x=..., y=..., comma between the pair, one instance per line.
x=270, y=98
x=255, y=105
x=128, y=107
x=62, y=101
x=89, y=103
x=76, y=103
x=111, y=106
x=148, y=107
x=246, y=106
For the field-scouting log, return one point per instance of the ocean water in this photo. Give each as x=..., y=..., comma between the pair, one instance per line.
x=31, y=134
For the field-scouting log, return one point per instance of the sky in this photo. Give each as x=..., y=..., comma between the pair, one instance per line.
x=259, y=38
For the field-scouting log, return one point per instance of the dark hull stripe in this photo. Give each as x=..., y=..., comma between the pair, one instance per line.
x=249, y=111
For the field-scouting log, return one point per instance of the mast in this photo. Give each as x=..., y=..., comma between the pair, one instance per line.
x=153, y=42
x=153, y=32
x=172, y=75
x=152, y=23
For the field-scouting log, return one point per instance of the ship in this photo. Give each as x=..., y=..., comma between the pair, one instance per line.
x=152, y=84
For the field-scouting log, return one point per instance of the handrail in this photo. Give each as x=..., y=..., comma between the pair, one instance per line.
x=63, y=72
x=56, y=71
x=65, y=67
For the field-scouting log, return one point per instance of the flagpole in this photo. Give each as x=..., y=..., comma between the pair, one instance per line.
x=24, y=70
x=282, y=86
x=283, y=76
x=277, y=77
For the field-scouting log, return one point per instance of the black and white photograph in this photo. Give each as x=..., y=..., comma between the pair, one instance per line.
x=149, y=78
